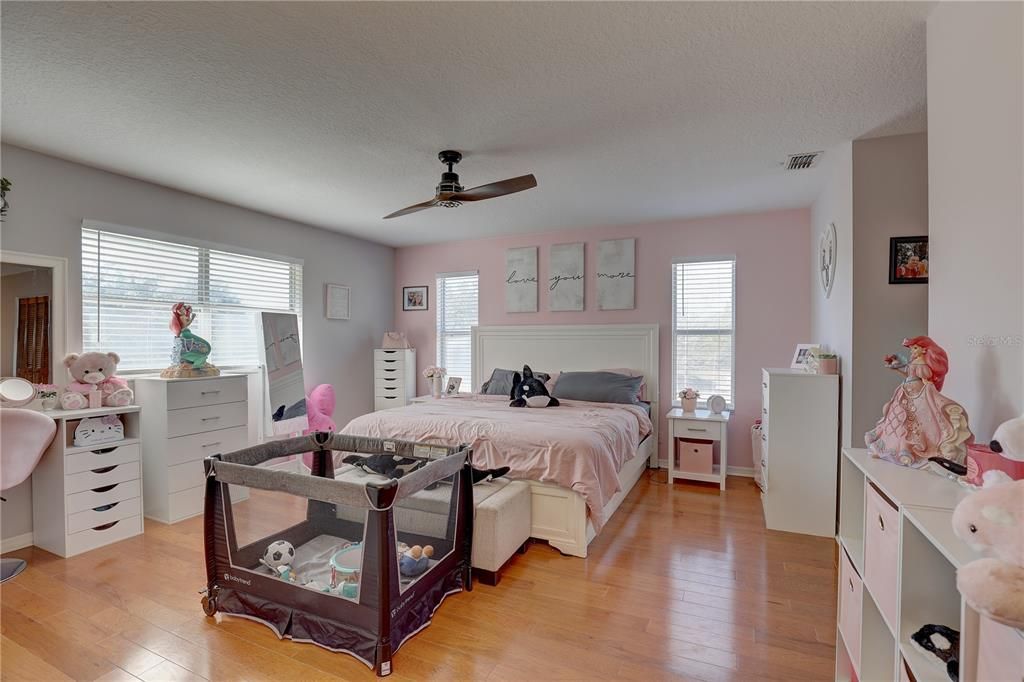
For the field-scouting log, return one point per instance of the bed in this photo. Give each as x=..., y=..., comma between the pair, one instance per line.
x=580, y=459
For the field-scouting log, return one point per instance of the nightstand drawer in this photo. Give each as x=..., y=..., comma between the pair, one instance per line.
x=706, y=430
x=101, y=457
x=200, y=392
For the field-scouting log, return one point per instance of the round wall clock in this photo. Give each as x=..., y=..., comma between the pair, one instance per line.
x=827, y=258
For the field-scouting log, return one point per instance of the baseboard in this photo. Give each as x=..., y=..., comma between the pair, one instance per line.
x=746, y=472
x=16, y=542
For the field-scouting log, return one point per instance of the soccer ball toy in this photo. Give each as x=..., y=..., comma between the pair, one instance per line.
x=278, y=556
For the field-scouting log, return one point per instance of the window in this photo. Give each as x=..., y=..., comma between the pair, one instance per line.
x=129, y=284
x=458, y=307
x=703, y=321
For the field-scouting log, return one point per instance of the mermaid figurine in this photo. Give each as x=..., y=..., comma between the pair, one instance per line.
x=190, y=351
x=918, y=422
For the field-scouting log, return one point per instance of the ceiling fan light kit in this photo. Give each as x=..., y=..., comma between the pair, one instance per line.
x=450, y=194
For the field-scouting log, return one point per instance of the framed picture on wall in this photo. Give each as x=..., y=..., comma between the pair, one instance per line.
x=337, y=302
x=414, y=298
x=908, y=260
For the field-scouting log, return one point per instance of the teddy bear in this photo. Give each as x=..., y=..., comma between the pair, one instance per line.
x=991, y=520
x=1004, y=453
x=529, y=391
x=94, y=371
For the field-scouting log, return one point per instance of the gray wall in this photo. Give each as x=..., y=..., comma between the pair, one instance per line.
x=976, y=205
x=51, y=197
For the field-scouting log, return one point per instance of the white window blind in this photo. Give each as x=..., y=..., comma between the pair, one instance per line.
x=458, y=296
x=703, y=320
x=129, y=284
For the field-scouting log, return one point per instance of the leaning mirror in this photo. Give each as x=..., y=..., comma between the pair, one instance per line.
x=282, y=361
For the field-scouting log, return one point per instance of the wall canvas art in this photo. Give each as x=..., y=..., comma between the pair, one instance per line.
x=616, y=274
x=521, y=280
x=565, y=283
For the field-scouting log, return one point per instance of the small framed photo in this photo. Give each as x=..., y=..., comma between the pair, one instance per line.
x=454, y=383
x=802, y=356
x=414, y=298
x=908, y=260
x=337, y=302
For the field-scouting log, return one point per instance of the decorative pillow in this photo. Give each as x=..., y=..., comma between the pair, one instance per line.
x=500, y=382
x=598, y=387
x=641, y=394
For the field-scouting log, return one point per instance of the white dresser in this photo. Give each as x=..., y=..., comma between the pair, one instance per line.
x=184, y=420
x=394, y=377
x=800, y=450
x=87, y=497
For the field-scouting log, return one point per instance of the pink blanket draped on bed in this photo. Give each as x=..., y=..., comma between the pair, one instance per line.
x=578, y=445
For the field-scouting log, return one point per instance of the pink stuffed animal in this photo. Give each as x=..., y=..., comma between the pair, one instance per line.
x=94, y=371
x=992, y=520
x=319, y=410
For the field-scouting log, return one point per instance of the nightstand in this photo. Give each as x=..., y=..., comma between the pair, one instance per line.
x=698, y=425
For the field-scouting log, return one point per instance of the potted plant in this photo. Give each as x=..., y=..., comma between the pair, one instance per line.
x=47, y=395
x=435, y=375
x=826, y=362
x=688, y=396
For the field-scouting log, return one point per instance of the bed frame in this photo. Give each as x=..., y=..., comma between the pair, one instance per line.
x=560, y=514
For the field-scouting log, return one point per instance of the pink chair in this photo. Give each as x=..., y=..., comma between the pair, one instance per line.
x=24, y=437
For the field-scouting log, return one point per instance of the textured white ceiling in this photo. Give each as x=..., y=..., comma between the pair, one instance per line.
x=333, y=113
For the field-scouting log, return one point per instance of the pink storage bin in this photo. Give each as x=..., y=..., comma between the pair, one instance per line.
x=695, y=456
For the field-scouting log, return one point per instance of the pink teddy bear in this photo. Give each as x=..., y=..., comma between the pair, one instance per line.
x=992, y=520
x=94, y=371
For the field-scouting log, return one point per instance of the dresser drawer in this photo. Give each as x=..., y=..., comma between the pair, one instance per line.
x=204, y=419
x=90, y=480
x=391, y=353
x=185, y=503
x=685, y=428
x=851, y=593
x=384, y=403
x=183, y=476
x=881, y=554
x=389, y=391
x=200, y=445
x=396, y=379
x=389, y=372
x=113, y=511
x=99, y=458
x=90, y=499
x=103, y=535
x=201, y=392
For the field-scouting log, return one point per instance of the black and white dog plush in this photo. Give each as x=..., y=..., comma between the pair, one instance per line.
x=529, y=391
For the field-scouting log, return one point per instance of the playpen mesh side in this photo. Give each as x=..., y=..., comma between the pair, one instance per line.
x=381, y=612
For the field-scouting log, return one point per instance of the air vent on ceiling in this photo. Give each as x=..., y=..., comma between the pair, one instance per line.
x=802, y=161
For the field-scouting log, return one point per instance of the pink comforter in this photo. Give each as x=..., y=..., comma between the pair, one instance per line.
x=578, y=445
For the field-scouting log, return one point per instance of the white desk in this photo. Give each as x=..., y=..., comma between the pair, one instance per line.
x=703, y=425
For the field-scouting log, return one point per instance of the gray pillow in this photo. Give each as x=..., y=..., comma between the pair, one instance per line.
x=500, y=382
x=598, y=387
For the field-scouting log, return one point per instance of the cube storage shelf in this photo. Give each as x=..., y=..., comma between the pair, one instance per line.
x=898, y=562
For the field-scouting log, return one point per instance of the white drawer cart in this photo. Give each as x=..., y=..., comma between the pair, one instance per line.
x=897, y=571
x=185, y=420
x=800, y=450
x=87, y=497
x=394, y=377
x=699, y=425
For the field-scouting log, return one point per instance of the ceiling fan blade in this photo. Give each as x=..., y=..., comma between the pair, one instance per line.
x=412, y=209
x=496, y=189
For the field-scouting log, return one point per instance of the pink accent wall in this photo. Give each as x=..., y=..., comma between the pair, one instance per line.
x=772, y=297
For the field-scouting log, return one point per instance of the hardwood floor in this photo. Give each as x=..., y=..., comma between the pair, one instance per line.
x=682, y=584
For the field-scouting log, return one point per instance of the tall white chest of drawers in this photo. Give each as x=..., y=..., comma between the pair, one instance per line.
x=84, y=497
x=394, y=377
x=800, y=450
x=184, y=420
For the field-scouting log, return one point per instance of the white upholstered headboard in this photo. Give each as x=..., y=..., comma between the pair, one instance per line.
x=575, y=347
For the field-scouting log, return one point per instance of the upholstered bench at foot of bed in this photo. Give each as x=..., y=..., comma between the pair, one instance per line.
x=501, y=524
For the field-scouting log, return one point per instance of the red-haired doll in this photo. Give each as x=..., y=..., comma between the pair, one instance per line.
x=919, y=422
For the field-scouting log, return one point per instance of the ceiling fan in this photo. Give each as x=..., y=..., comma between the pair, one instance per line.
x=450, y=194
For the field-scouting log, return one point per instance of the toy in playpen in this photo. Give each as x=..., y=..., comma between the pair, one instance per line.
x=343, y=585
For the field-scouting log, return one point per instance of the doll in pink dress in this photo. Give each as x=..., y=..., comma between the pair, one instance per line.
x=919, y=422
